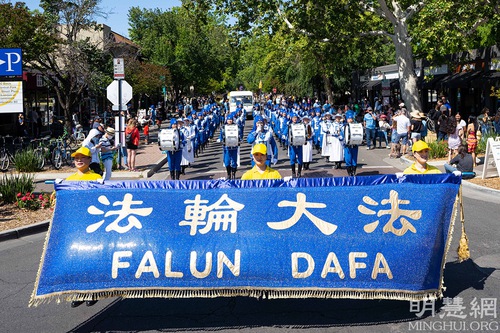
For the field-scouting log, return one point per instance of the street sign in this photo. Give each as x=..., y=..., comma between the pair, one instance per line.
x=11, y=62
x=118, y=68
x=112, y=92
x=11, y=97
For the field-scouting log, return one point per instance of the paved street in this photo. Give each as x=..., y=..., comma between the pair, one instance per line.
x=471, y=281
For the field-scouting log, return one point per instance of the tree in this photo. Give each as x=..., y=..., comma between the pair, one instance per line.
x=20, y=28
x=398, y=20
x=194, y=48
x=78, y=62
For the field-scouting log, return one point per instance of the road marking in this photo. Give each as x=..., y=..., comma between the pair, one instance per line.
x=377, y=167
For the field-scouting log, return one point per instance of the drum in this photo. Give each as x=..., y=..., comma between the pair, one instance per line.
x=231, y=135
x=169, y=139
x=353, y=134
x=297, y=134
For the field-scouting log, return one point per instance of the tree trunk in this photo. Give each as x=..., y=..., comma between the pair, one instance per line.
x=406, y=67
x=328, y=87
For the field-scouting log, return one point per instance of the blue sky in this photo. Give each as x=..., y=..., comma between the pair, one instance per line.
x=118, y=19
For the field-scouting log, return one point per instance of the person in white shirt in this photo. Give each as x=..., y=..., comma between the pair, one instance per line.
x=403, y=128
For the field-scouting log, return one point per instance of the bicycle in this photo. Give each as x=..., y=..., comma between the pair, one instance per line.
x=61, y=152
x=41, y=150
x=6, y=156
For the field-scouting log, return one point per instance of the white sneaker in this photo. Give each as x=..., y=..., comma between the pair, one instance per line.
x=367, y=148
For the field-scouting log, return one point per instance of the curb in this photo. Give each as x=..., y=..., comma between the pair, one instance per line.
x=24, y=231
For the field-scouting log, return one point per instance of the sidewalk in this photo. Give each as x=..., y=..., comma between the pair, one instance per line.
x=148, y=157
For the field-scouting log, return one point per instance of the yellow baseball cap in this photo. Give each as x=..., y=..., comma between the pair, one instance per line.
x=419, y=146
x=259, y=148
x=82, y=151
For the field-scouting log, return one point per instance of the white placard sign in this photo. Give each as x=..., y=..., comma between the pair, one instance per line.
x=492, y=151
x=11, y=97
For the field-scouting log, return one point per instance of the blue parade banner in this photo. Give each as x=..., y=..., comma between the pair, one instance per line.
x=380, y=237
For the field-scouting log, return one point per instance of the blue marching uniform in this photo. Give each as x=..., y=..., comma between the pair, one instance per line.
x=175, y=157
x=350, y=151
x=263, y=134
x=230, y=156
x=295, y=152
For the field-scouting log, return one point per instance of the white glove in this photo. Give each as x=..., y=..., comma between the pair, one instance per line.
x=457, y=173
x=399, y=174
x=274, y=161
x=287, y=179
x=218, y=140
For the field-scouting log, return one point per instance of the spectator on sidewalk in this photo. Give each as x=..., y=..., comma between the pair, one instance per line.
x=370, y=128
x=108, y=151
x=462, y=162
x=133, y=144
x=403, y=130
x=92, y=143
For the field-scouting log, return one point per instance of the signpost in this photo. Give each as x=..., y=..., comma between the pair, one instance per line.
x=119, y=92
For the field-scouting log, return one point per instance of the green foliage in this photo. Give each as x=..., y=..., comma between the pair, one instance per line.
x=12, y=184
x=439, y=149
x=26, y=161
x=195, y=49
x=481, y=145
x=20, y=28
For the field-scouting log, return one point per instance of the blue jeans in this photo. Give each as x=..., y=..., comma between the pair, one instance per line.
x=449, y=168
x=371, y=137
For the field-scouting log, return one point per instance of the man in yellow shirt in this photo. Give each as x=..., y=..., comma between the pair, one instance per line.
x=260, y=169
x=83, y=157
x=420, y=151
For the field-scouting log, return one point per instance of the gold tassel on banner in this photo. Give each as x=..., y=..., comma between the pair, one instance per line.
x=463, y=245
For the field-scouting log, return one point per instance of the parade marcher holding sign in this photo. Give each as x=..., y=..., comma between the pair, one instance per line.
x=421, y=153
x=260, y=170
x=83, y=157
x=350, y=147
x=230, y=138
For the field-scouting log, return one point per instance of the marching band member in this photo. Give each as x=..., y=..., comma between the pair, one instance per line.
x=337, y=154
x=231, y=153
x=350, y=150
x=189, y=132
x=175, y=157
x=307, y=149
x=262, y=135
x=326, y=136
x=294, y=151
x=316, y=126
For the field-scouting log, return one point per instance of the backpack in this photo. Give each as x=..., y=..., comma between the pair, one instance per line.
x=128, y=138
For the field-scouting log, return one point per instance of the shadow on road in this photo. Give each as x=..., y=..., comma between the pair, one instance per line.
x=243, y=312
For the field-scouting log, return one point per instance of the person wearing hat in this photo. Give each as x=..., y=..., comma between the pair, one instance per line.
x=189, y=132
x=383, y=128
x=294, y=151
x=307, y=149
x=416, y=126
x=326, y=135
x=230, y=153
x=174, y=157
x=92, y=143
x=82, y=158
x=264, y=135
x=337, y=152
x=420, y=166
x=370, y=128
x=108, y=149
x=260, y=170
x=350, y=150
